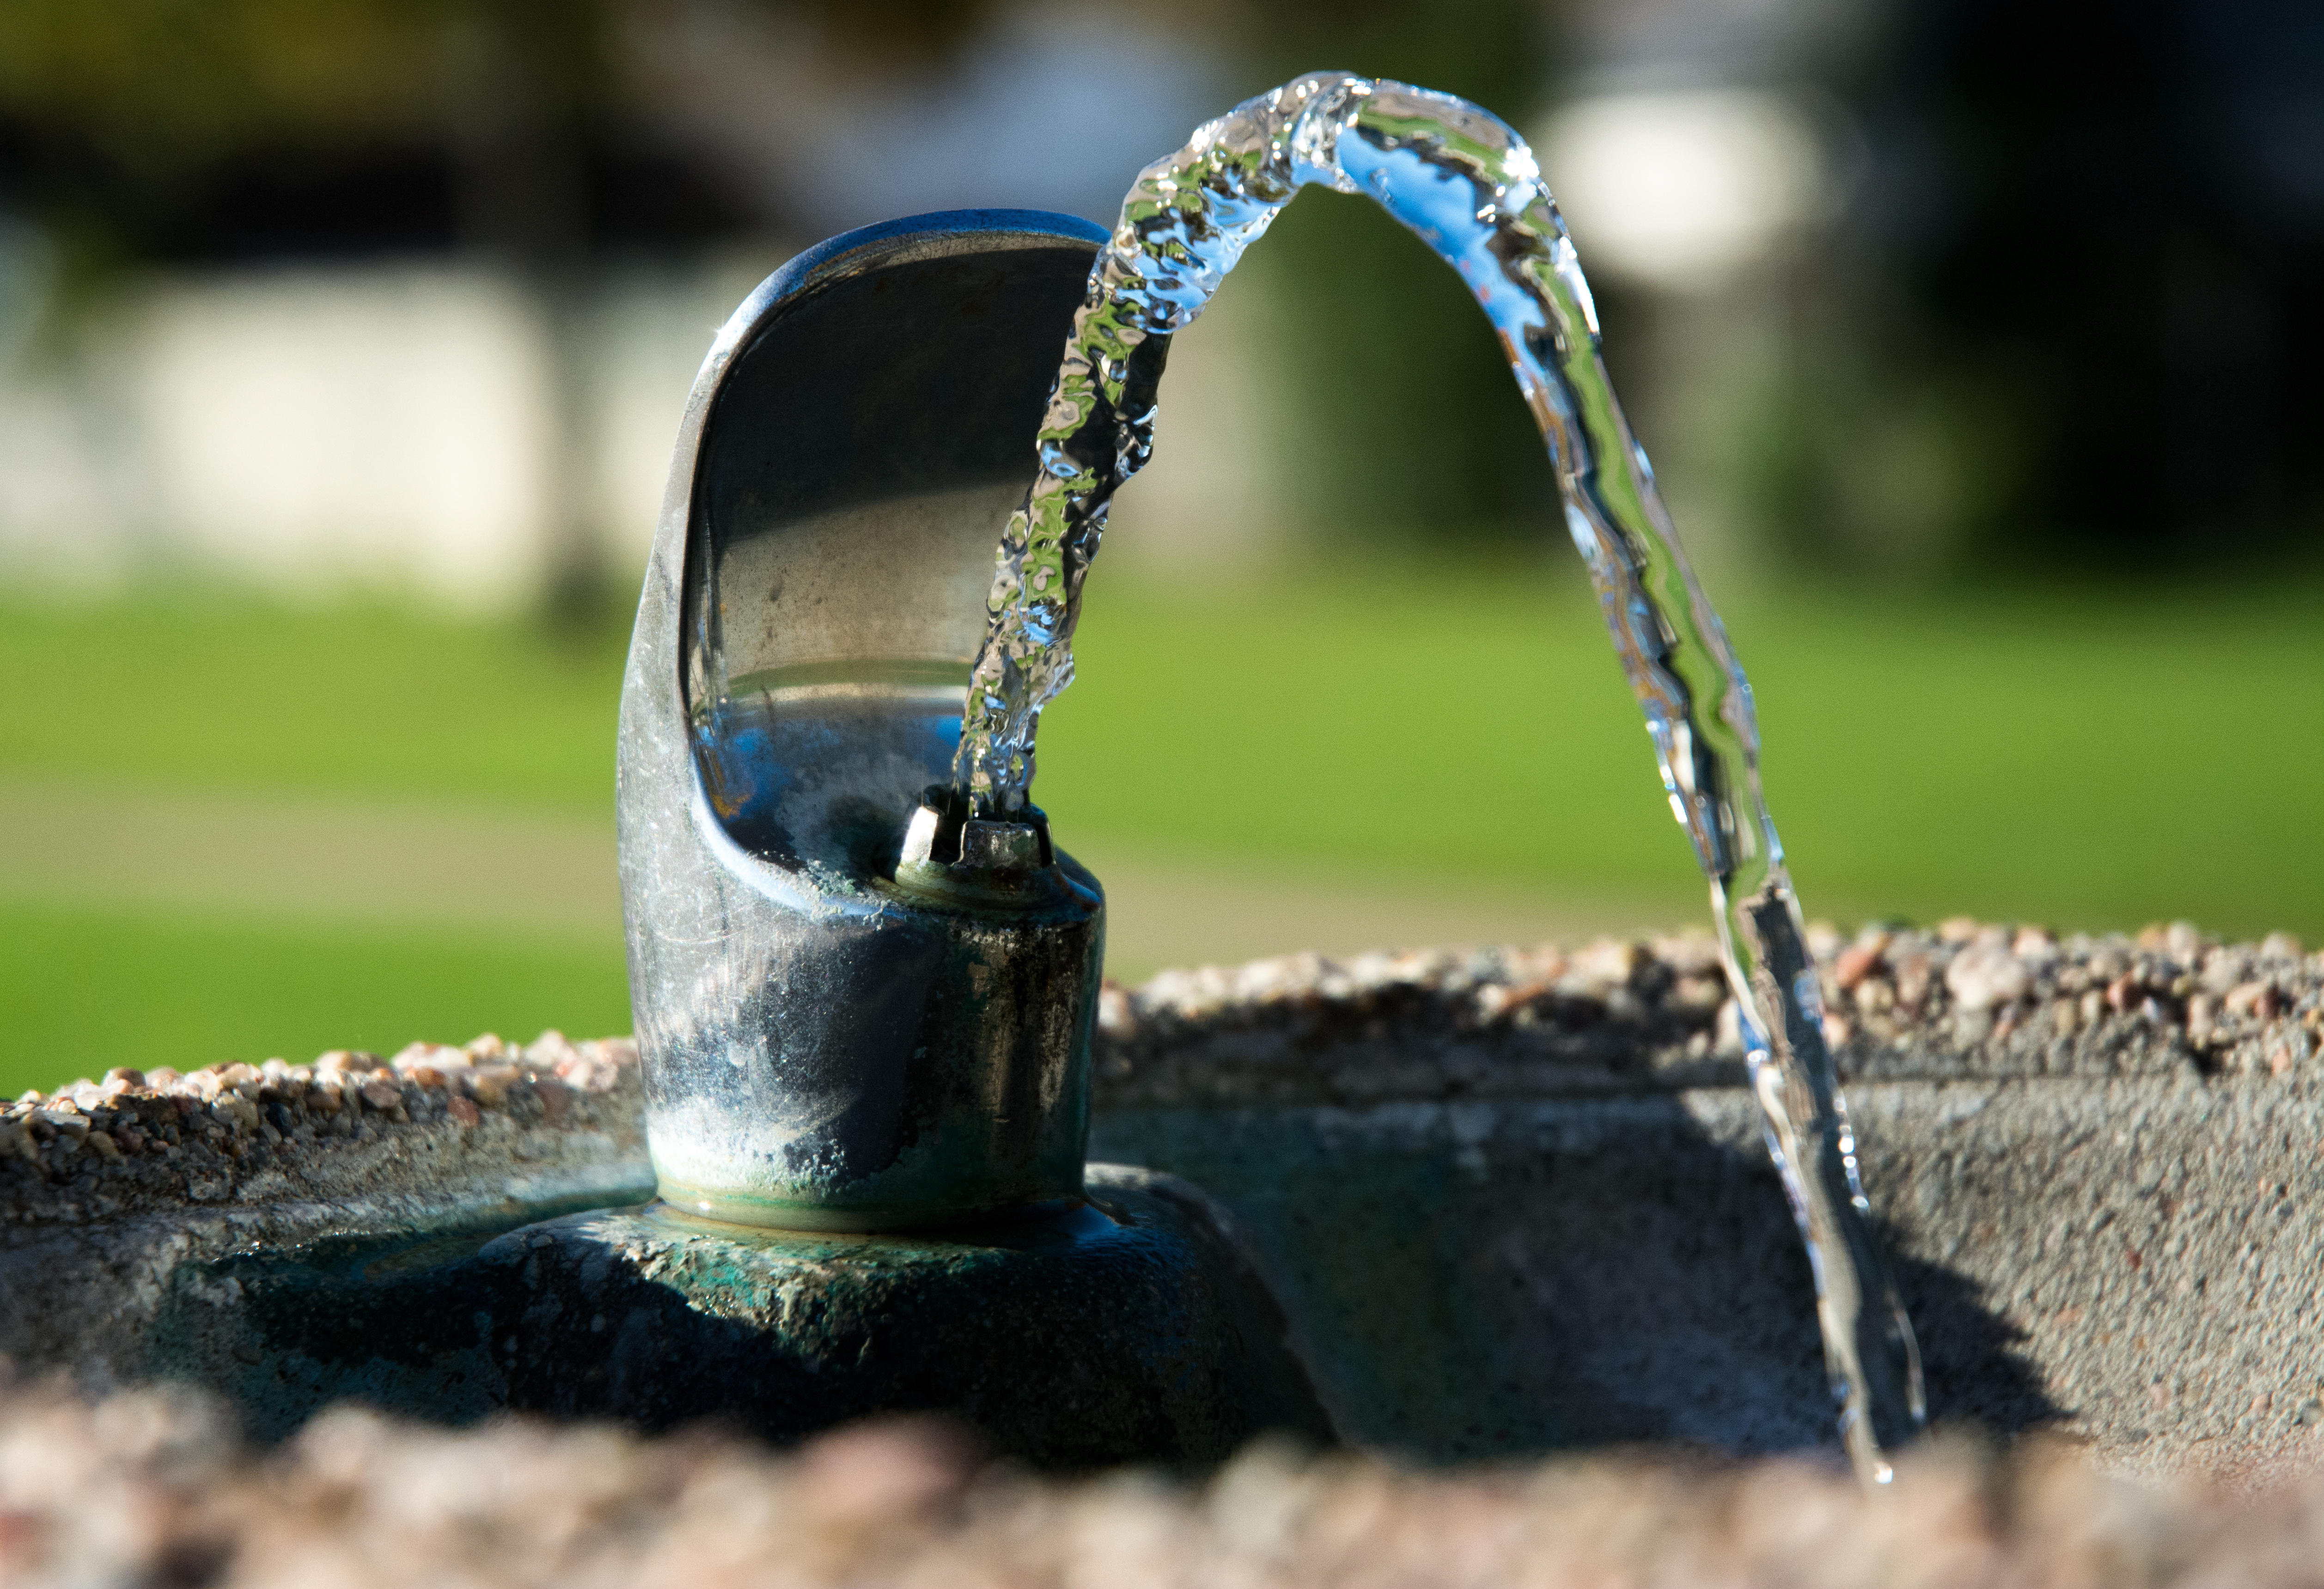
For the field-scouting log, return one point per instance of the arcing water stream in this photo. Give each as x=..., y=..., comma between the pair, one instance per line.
x=1467, y=186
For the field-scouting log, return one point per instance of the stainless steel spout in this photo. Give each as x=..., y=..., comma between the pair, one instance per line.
x=857, y=1010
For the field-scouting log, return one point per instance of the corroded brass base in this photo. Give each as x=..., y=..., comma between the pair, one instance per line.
x=1130, y=1328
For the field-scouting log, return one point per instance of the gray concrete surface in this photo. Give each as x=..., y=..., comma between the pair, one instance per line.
x=1512, y=1200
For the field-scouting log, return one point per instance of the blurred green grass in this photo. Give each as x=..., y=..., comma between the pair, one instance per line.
x=212, y=691
x=2037, y=755
x=2087, y=761
x=88, y=989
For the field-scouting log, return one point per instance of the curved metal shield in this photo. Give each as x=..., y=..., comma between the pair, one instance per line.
x=825, y=1049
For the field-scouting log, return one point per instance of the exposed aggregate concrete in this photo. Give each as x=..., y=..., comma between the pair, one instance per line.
x=1965, y=1000
x=111, y=1191
x=151, y=1489
x=242, y=1134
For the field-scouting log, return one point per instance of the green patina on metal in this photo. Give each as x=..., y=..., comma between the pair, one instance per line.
x=1130, y=1328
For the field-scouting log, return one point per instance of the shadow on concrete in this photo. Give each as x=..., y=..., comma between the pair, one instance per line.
x=1978, y=1370
x=1494, y=1280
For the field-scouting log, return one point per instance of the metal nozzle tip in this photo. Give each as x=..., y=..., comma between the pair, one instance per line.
x=949, y=855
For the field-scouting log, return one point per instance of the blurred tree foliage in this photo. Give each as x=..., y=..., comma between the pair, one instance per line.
x=2105, y=228
x=156, y=89
x=120, y=116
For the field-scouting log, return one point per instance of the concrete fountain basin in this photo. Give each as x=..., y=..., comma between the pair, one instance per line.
x=1510, y=1201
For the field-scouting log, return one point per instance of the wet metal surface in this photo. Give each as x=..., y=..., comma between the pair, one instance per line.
x=825, y=1049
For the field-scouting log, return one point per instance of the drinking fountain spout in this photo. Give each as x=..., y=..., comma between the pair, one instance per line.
x=856, y=1012
x=864, y=1011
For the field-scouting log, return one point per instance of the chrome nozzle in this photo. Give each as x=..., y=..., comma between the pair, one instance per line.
x=857, y=1009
